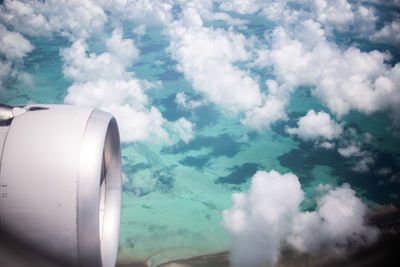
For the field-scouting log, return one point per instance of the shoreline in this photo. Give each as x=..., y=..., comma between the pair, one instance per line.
x=381, y=253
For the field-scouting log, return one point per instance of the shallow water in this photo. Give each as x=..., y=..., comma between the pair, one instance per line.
x=174, y=194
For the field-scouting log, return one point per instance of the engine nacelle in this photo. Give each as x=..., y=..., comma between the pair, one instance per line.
x=60, y=186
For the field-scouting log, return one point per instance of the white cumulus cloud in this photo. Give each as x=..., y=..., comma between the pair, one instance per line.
x=13, y=48
x=260, y=118
x=344, y=79
x=80, y=66
x=389, y=34
x=143, y=11
x=260, y=220
x=363, y=159
x=102, y=81
x=315, y=126
x=241, y=7
x=181, y=99
x=184, y=129
x=74, y=19
x=206, y=57
x=127, y=102
x=336, y=226
x=13, y=45
x=268, y=217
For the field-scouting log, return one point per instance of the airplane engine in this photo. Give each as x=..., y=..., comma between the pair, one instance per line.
x=60, y=186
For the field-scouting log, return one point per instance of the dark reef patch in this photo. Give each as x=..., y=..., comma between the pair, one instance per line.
x=170, y=75
x=151, y=48
x=375, y=187
x=172, y=112
x=163, y=175
x=197, y=162
x=252, y=135
x=130, y=242
x=239, y=174
x=205, y=116
x=134, y=168
x=221, y=145
x=165, y=179
x=279, y=127
x=201, y=116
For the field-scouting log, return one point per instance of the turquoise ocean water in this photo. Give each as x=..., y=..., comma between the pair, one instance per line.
x=174, y=194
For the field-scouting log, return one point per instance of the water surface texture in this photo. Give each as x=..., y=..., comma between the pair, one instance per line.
x=209, y=93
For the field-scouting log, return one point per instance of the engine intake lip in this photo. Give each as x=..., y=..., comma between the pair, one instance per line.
x=99, y=192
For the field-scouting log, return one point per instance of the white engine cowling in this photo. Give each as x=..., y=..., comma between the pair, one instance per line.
x=60, y=186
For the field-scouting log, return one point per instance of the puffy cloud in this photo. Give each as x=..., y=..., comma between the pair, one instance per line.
x=5, y=71
x=395, y=178
x=340, y=15
x=102, y=81
x=337, y=13
x=325, y=145
x=138, y=184
x=13, y=48
x=350, y=151
x=366, y=19
x=295, y=61
x=299, y=56
x=344, y=80
x=268, y=217
x=260, y=118
x=206, y=58
x=360, y=81
x=127, y=102
x=107, y=93
x=109, y=65
x=272, y=109
x=13, y=45
x=386, y=2
x=181, y=99
x=384, y=171
x=11, y=73
x=144, y=11
x=364, y=164
x=241, y=7
x=74, y=19
x=315, y=126
x=280, y=12
x=336, y=226
x=363, y=159
x=140, y=30
x=260, y=220
x=206, y=9
x=139, y=125
x=184, y=129
x=25, y=17
x=123, y=49
x=390, y=34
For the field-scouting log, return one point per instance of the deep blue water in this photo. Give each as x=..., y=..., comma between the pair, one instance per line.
x=174, y=193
